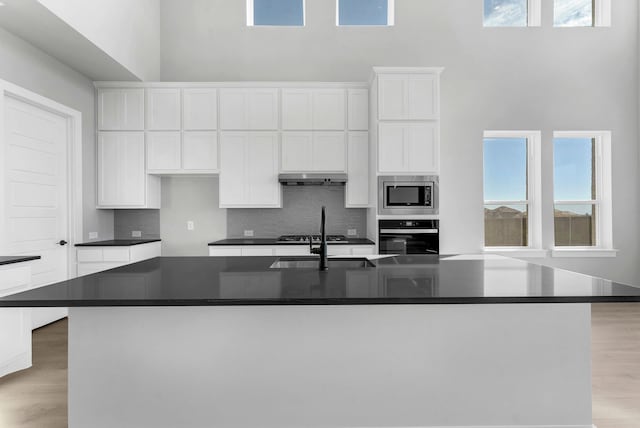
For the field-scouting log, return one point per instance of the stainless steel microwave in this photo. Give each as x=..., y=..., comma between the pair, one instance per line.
x=412, y=195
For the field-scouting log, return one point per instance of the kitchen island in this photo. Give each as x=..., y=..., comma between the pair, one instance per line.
x=429, y=341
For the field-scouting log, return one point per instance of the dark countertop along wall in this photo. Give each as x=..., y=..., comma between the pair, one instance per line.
x=247, y=281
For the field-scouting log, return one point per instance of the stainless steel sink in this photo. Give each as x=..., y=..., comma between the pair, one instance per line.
x=312, y=263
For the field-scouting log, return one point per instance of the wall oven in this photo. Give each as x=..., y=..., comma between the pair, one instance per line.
x=399, y=195
x=409, y=237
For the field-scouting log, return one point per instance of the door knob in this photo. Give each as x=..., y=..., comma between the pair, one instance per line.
x=63, y=242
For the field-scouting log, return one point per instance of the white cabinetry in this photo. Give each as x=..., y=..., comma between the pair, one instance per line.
x=358, y=104
x=357, y=189
x=408, y=96
x=97, y=259
x=163, y=109
x=200, y=151
x=313, y=109
x=163, y=151
x=408, y=148
x=200, y=109
x=122, y=178
x=287, y=250
x=313, y=151
x=15, y=323
x=249, y=109
x=120, y=109
x=249, y=170
x=189, y=152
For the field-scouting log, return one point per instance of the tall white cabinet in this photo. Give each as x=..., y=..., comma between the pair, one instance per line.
x=407, y=112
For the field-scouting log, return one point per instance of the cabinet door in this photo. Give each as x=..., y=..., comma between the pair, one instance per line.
x=120, y=109
x=357, y=190
x=200, y=109
x=358, y=102
x=163, y=151
x=163, y=109
x=263, y=109
x=233, y=109
x=422, y=148
x=200, y=151
x=296, y=109
x=262, y=170
x=391, y=148
x=297, y=151
x=422, y=95
x=121, y=169
x=329, y=151
x=392, y=100
x=328, y=109
x=233, y=147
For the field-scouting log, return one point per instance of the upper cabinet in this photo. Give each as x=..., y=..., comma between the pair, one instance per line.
x=408, y=96
x=249, y=170
x=313, y=109
x=357, y=189
x=319, y=151
x=120, y=109
x=200, y=109
x=163, y=109
x=249, y=109
x=358, y=102
x=408, y=148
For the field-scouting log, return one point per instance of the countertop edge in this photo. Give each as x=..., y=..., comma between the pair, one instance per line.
x=18, y=259
x=114, y=243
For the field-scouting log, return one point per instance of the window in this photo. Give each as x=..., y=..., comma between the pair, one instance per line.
x=581, y=13
x=512, y=215
x=582, y=189
x=365, y=12
x=275, y=13
x=512, y=13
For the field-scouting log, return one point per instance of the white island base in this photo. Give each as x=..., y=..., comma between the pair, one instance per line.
x=511, y=365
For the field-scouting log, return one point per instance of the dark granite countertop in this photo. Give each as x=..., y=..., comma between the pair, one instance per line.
x=117, y=243
x=246, y=281
x=274, y=241
x=8, y=260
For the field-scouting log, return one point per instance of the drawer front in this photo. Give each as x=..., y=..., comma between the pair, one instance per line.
x=364, y=250
x=222, y=251
x=116, y=254
x=89, y=268
x=292, y=250
x=90, y=255
x=145, y=251
x=339, y=250
x=257, y=251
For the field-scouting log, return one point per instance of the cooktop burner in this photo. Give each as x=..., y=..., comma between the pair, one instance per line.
x=315, y=238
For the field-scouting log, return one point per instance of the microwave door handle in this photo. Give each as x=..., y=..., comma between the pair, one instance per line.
x=408, y=231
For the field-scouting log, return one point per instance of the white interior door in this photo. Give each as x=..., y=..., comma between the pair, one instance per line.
x=36, y=194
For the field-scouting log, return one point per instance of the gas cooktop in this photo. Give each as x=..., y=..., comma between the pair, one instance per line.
x=314, y=238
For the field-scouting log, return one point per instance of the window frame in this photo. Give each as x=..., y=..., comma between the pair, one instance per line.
x=603, y=202
x=251, y=20
x=534, y=16
x=534, y=195
x=601, y=15
x=391, y=17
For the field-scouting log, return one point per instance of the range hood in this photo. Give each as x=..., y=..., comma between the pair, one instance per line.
x=312, y=179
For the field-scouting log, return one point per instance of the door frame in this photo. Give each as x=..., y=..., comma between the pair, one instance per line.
x=74, y=162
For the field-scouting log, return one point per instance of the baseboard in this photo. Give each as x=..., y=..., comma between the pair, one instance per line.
x=21, y=362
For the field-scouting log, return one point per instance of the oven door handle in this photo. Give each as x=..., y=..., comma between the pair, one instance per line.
x=408, y=231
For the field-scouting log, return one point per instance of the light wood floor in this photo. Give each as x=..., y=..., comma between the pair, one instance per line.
x=37, y=398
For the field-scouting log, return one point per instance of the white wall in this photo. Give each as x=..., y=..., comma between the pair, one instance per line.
x=26, y=66
x=495, y=78
x=128, y=31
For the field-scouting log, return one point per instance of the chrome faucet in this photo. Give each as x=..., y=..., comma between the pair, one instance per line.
x=322, y=249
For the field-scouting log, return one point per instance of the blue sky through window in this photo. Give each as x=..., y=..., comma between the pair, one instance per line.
x=505, y=169
x=363, y=12
x=505, y=13
x=573, y=13
x=278, y=12
x=572, y=169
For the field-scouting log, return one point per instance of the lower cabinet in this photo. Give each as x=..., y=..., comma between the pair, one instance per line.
x=15, y=323
x=97, y=259
x=287, y=250
x=249, y=170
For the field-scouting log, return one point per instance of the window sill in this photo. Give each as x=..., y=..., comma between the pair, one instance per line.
x=583, y=252
x=518, y=252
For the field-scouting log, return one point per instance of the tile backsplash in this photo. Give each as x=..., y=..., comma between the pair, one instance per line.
x=300, y=214
x=145, y=221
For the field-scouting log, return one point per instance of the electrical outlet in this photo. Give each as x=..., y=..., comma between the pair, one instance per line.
x=136, y=234
x=190, y=225
x=248, y=233
x=93, y=235
x=352, y=232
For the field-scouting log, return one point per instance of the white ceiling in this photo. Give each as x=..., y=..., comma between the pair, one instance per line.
x=31, y=21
